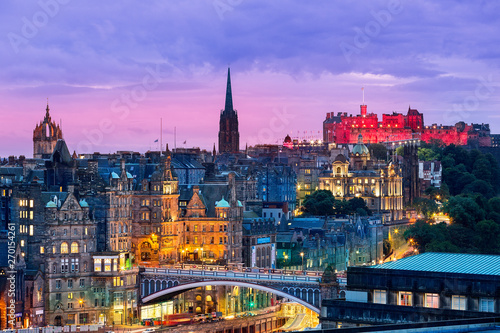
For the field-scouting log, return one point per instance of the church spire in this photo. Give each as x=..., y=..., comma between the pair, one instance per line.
x=47, y=115
x=229, y=95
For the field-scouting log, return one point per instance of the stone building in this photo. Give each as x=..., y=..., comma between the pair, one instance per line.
x=259, y=243
x=381, y=186
x=229, y=136
x=155, y=227
x=216, y=238
x=45, y=136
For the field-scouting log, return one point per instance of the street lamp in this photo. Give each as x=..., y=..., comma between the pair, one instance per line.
x=302, y=255
x=202, y=261
x=284, y=262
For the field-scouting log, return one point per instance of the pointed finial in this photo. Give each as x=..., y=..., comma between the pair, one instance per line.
x=214, y=152
x=363, y=90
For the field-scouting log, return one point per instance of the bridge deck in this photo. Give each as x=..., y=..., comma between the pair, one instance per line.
x=253, y=276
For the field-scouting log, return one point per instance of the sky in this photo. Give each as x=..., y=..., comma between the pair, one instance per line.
x=115, y=71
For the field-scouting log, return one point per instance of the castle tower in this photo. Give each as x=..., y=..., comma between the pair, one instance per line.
x=45, y=136
x=229, y=136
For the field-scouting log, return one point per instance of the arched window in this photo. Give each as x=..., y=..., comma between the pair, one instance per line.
x=339, y=170
x=74, y=247
x=64, y=247
x=209, y=298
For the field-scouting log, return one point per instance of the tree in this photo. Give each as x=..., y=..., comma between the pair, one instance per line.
x=320, y=202
x=421, y=233
x=425, y=206
x=427, y=154
x=379, y=151
x=488, y=232
x=358, y=205
x=480, y=186
x=464, y=211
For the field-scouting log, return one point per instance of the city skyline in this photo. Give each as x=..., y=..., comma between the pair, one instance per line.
x=285, y=66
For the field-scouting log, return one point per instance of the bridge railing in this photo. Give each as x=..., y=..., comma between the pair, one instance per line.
x=235, y=275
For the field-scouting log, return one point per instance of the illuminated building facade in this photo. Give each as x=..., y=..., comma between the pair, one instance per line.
x=344, y=129
x=212, y=239
x=380, y=186
x=155, y=229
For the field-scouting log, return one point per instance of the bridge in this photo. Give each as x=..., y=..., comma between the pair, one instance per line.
x=160, y=284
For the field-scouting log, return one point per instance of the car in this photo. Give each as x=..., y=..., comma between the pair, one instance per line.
x=149, y=330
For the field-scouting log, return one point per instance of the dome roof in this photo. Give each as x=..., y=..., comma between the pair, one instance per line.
x=51, y=204
x=222, y=204
x=360, y=148
x=114, y=175
x=83, y=203
x=240, y=204
x=156, y=175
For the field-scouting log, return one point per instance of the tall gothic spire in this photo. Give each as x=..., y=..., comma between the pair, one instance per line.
x=229, y=95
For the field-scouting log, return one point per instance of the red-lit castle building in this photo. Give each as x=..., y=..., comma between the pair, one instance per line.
x=344, y=129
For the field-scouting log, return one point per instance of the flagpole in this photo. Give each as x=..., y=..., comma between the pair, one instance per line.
x=175, y=139
x=161, y=135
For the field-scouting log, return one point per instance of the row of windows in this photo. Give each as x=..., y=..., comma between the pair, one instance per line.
x=431, y=300
x=23, y=229
x=222, y=240
x=98, y=265
x=64, y=247
x=75, y=232
x=23, y=214
x=26, y=203
x=70, y=285
x=211, y=228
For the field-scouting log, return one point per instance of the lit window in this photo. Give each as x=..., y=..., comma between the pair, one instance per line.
x=107, y=265
x=42, y=249
x=97, y=265
x=64, y=247
x=74, y=247
x=458, y=302
x=405, y=298
x=31, y=215
x=432, y=301
x=31, y=203
x=380, y=296
x=31, y=229
x=22, y=242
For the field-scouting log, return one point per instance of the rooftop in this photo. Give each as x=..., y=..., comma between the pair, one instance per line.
x=478, y=264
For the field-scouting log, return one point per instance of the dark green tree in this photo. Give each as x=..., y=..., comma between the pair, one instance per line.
x=489, y=236
x=320, y=202
x=379, y=151
x=464, y=211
